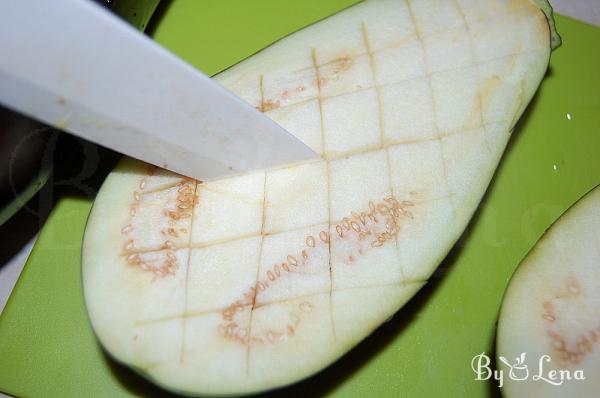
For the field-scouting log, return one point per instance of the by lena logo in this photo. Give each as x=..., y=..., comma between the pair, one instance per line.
x=519, y=370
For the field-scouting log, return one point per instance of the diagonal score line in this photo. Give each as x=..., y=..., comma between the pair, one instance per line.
x=382, y=132
x=395, y=83
x=328, y=173
x=197, y=314
x=367, y=44
x=206, y=187
x=219, y=242
x=323, y=134
x=194, y=314
x=365, y=34
x=229, y=194
x=260, y=252
x=262, y=240
x=514, y=11
x=164, y=187
x=319, y=98
x=187, y=278
x=439, y=137
x=477, y=70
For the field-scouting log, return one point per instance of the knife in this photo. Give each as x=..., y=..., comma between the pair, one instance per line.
x=74, y=65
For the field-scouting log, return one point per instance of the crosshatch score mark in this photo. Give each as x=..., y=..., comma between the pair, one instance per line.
x=368, y=230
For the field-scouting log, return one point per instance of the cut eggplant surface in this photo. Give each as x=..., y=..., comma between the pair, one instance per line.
x=254, y=282
x=552, y=307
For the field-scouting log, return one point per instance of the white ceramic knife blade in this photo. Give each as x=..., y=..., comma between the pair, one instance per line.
x=74, y=65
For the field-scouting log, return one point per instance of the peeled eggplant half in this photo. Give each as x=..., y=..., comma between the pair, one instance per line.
x=251, y=283
x=551, y=310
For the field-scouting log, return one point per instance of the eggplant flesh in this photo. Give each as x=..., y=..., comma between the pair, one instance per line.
x=551, y=311
x=254, y=282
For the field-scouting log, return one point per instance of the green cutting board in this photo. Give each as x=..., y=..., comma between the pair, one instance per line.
x=47, y=348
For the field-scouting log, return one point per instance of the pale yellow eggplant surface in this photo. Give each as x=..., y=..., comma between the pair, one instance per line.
x=253, y=282
x=549, y=318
